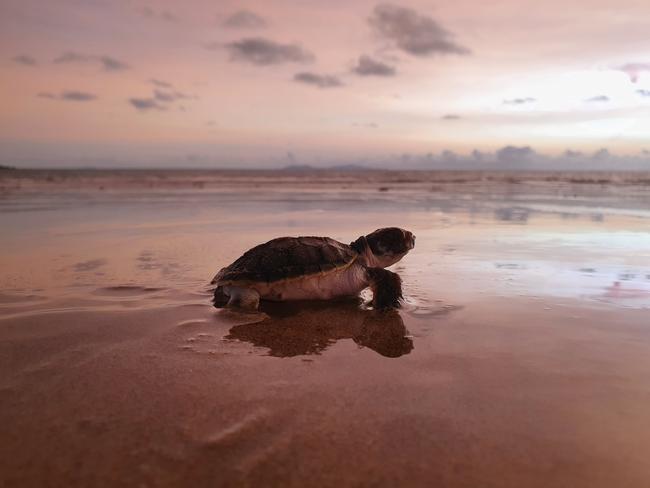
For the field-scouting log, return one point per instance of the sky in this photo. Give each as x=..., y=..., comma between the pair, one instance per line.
x=415, y=84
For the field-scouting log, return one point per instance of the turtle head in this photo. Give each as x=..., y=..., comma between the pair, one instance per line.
x=385, y=247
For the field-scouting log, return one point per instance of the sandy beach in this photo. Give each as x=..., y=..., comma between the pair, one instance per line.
x=521, y=356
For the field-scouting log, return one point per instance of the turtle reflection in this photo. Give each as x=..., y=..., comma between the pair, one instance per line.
x=310, y=329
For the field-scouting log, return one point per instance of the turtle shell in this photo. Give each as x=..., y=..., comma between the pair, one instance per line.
x=286, y=258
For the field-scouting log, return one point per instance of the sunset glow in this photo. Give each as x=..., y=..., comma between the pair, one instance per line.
x=269, y=84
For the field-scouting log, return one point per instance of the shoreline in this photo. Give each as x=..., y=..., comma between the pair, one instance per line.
x=519, y=358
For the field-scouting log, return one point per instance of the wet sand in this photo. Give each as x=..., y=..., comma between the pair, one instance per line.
x=520, y=358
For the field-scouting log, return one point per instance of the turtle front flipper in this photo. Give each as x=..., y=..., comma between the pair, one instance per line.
x=386, y=288
x=220, y=299
x=236, y=297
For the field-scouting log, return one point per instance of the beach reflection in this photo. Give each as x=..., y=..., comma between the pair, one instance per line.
x=312, y=328
x=523, y=340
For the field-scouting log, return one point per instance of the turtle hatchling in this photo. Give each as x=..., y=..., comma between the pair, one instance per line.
x=315, y=268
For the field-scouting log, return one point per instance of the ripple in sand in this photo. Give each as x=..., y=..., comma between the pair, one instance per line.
x=192, y=322
x=127, y=290
x=91, y=265
x=236, y=430
x=12, y=299
x=433, y=312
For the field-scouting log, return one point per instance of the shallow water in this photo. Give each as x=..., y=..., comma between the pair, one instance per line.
x=520, y=356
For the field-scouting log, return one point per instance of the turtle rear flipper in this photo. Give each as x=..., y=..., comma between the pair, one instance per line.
x=386, y=288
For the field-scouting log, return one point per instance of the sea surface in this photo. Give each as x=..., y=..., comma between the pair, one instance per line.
x=520, y=357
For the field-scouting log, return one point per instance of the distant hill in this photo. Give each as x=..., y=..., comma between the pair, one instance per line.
x=349, y=167
x=6, y=168
x=298, y=167
x=308, y=168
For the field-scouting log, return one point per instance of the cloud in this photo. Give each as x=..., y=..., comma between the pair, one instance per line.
x=519, y=158
x=166, y=15
x=451, y=117
x=263, y=52
x=112, y=64
x=321, y=81
x=72, y=57
x=519, y=101
x=144, y=104
x=108, y=63
x=77, y=96
x=366, y=125
x=24, y=60
x=69, y=95
x=644, y=93
x=412, y=32
x=161, y=97
x=572, y=154
x=478, y=155
x=514, y=154
x=634, y=70
x=160, y=83
x=172, y=96
x=601, y=154
x=599, y=98
x=244, y=19
x=368, y=66
x=448, y=156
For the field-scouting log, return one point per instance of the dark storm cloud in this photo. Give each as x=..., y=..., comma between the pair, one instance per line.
x=599, y=98
x=108, y=63
x=412, y=32
x=519, y=101
x=367, y=66
x=69, y=95
x=144, y=104
x=244, y=19
x=263, y=52
x=24, y=60
x=644, y=93
x=451, y=117
x=321, y=81
x=514, y=154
